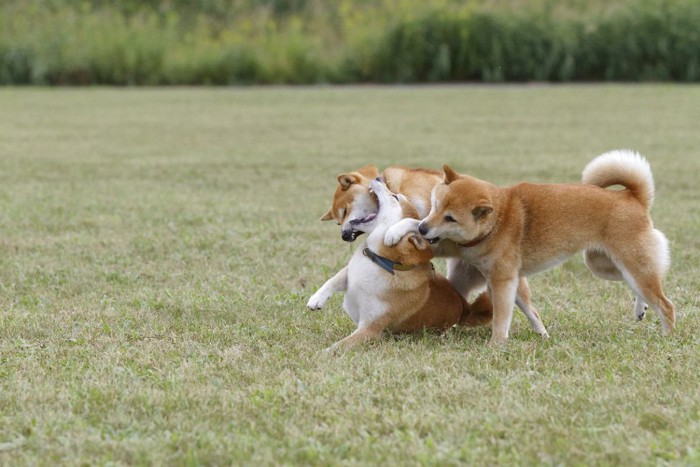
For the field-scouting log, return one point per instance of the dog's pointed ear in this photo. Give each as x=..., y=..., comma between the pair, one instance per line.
x=450, y=175
x=482, y=210
x=347, y=180
x=418, y=241
x=328, y=216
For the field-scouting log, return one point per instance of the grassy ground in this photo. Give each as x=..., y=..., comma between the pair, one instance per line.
x=158, y=248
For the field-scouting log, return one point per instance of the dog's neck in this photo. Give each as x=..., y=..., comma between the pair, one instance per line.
x=476, y=241
x=385, y=263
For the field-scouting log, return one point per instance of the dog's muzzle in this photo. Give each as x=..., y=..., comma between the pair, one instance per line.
x=351, y=235
x=423, y=230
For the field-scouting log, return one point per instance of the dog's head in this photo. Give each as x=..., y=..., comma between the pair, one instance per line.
x=391, y=207
x=462, y=209
x=411, y=250
x=354, y=205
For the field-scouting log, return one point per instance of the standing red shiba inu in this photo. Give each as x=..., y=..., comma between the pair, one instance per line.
x=396, y=288
x=509, y=233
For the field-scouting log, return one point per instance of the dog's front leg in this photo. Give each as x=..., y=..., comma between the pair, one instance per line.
x=397, y=231
x=503, y=291
x=337, y=283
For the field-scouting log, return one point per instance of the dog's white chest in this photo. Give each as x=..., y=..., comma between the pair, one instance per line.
x=366, y=283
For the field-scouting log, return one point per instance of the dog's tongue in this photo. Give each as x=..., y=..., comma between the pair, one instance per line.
x=363, y=220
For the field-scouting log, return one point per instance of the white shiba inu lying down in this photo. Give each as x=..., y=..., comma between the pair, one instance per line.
x=508, y=233
x=396, y=288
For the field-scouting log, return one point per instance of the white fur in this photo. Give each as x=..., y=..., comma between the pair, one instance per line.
x=337, y=283
x=662, y=253
x=363, y=280
x=395, y=233
x=362, y=207
x=420, y=206
x=621, y=164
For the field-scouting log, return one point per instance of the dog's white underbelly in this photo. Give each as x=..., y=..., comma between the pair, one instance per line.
x=544, y=265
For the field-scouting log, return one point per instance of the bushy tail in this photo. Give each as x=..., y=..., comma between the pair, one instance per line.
x=622, y=167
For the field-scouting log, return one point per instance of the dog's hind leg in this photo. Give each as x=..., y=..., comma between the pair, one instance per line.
x=643, y=268
x=649, y=287
x=364, y=333
x=477, y=313
x=600, y=264
x=522, y=299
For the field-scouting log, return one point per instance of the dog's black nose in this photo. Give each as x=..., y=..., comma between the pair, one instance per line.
x=348, y=236
x=379, y=179
x=422, y=229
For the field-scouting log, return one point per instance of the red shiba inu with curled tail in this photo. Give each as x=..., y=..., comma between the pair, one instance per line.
x=396, y=288
x=508, y=233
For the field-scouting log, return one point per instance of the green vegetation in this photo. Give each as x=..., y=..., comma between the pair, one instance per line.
x=159, y=246
x=389, y=41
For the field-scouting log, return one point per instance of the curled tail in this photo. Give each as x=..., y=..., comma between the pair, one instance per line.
x=622, y=167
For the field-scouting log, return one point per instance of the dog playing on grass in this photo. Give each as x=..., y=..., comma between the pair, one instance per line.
x=509, y=233
x=354, y=208
x=396, y=288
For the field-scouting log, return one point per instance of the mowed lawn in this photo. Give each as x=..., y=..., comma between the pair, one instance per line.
x=158, y=247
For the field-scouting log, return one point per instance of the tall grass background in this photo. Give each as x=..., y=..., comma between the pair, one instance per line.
x=153, y=42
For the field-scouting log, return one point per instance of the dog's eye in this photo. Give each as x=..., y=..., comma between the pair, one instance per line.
x=449, y=218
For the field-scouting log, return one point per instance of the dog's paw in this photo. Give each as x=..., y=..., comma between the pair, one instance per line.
x=392, y=238
x=317, y=300
x=640, y=309
x=497, y=341
x=397, y=231
x=332, y=350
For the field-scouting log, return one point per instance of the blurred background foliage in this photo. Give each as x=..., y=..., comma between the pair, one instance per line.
x=153, y=42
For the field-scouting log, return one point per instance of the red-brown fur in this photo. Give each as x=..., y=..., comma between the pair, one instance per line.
x=530, y=227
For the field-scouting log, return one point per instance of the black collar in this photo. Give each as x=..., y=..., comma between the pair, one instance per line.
x=385, y=263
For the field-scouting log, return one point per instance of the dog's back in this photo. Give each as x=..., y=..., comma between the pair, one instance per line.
x=415, y=184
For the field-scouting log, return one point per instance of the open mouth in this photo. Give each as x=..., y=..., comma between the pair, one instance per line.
x=433, y=240
x=356, y=227
x=352, y=235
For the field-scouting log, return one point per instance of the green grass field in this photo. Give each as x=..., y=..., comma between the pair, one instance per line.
x=158, y=247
